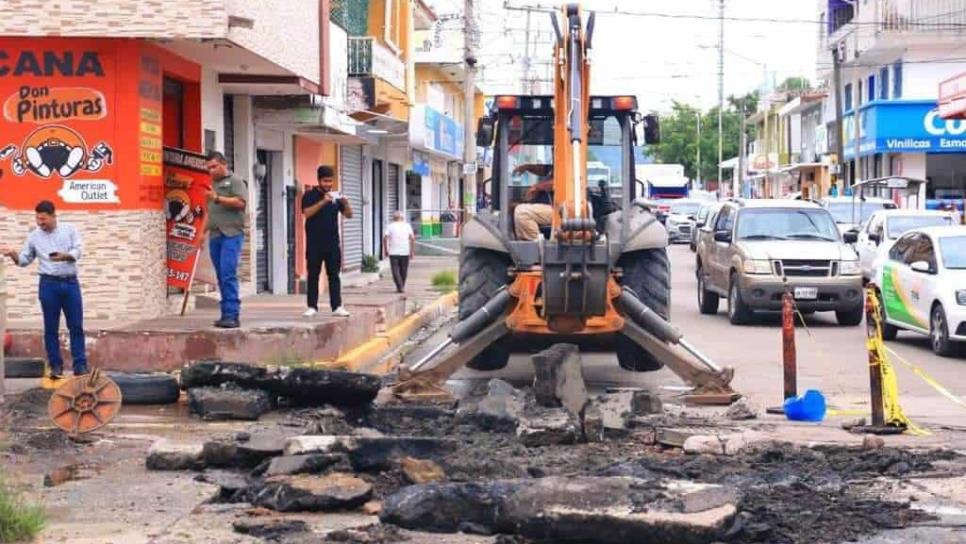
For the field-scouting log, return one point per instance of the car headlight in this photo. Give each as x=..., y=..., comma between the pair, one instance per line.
x=961, y=297
x=849, y=268
x=757, y=267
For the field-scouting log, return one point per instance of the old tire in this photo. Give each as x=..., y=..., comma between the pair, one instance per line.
x=648, y=273
x=23, y=367
x=146, y=387
x=482, y=273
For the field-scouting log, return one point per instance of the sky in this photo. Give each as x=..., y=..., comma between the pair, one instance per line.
x=657, y=58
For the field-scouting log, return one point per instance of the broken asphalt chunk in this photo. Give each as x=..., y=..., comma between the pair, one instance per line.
x=559, y=379
x=561, y=509
x=218, y=403
x=165, y=455
x=309, y=493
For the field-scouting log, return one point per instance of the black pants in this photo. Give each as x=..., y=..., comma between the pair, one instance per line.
x=333, y=264
x=400, y=267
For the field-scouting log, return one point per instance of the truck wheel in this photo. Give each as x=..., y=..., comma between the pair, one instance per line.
x=738, y=312
x=648, y=273
x=24, y=367
x=850, y=318
x=707, y=300
x=146, y=387
x=482, y=273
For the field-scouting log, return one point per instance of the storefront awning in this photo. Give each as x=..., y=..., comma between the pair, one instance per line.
x=797, y=167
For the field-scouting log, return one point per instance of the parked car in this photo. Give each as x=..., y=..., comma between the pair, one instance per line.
x=757, y=244
x=851, y=212
x=680, y=219
x=701, y=220
x=922, y=287
x=884, y=227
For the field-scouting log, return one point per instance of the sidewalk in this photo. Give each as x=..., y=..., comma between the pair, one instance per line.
x=273, y=330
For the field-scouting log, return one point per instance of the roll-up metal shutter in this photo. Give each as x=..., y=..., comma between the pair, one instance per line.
x=352, y=187
x=392, y=191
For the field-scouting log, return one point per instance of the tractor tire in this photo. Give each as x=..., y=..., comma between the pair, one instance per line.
x=648, y=274
x=482, y=273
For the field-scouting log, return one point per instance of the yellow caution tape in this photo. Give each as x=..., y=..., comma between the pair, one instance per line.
x=928, y=379
x=846, y=413
x=890, y=385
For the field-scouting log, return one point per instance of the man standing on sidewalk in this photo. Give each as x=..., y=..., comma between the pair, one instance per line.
x=226, y=233
x=322, y=206
x=400, y=244
x=57, y=248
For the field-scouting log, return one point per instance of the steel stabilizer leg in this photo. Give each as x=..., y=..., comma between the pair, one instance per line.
x=711, y=386
x=427, y=385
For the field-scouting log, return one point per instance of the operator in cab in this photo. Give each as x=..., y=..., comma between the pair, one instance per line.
x=537, y=209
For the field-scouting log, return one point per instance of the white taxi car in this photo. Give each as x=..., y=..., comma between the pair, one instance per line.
x=922, y=286
x=884, y=227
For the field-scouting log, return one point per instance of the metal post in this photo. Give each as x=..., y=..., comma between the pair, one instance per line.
x=470, y=37
x=721, y=4
x=698, y=174
x=740, y=178
x=872, y=328
x=839, y=132
x=789, y=355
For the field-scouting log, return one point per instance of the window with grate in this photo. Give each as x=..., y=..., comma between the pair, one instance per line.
x=352, y=15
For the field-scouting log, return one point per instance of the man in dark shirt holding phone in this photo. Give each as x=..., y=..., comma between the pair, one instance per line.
x=322, y=205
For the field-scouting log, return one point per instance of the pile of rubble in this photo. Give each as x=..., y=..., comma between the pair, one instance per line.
x=547, y=463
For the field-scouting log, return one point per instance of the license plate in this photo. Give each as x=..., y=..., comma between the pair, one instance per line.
x=806, y=293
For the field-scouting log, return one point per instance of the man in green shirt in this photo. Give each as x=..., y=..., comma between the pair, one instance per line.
x=226, y=233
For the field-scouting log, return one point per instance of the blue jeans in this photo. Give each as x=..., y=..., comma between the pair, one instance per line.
x=225, y=252
x=56, y=295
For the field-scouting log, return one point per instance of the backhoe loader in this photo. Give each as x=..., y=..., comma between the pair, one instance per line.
x=598, y=276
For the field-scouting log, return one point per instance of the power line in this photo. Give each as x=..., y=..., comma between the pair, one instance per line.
x=665, y=15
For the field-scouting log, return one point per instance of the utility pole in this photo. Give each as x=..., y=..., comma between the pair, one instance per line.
x=839, y=133
x=721, y=4
x=525, y=83
x=698, y=175
x=736, y=190
x=470, y=39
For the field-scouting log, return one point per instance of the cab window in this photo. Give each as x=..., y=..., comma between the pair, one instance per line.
x=898, y=251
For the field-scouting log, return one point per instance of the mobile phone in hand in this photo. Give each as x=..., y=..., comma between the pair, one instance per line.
x=336, y=195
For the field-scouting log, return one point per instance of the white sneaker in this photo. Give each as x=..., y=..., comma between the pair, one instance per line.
x=341, y=312
x=310, y=312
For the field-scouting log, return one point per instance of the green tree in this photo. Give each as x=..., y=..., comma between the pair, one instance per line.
x=795, y=84
x=679, y=135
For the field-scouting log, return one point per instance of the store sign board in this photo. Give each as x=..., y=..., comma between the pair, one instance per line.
x=186, y=184
x=904, y=127
x=57, y=123
x=438, y=133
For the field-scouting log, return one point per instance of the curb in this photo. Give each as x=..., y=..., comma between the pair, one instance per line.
x=362, y=356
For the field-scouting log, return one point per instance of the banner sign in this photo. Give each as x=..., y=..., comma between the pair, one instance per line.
x=907, y=126
x=186, y=183
x=57, y=123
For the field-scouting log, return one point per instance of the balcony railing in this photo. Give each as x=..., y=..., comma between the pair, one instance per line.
x=922, y=16
x=367, y=57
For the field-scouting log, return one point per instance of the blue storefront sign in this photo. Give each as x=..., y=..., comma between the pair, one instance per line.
x=908, y=126
x=438, y=133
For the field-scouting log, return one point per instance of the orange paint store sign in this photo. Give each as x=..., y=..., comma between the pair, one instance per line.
x=57, y=129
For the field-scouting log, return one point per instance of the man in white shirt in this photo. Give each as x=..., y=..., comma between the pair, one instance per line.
x=399, y=243
x=57, y=247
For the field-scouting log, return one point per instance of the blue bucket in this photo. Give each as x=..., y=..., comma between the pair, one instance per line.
x=807, y=407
